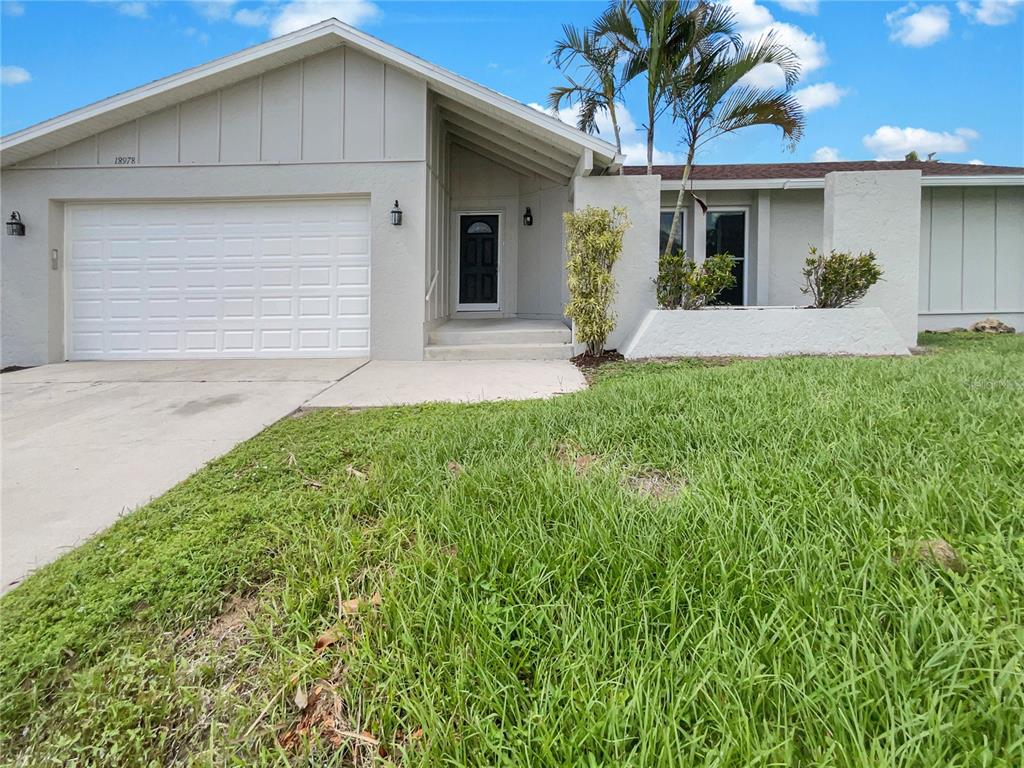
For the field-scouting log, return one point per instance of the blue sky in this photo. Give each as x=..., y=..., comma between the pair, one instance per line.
x=879, y=79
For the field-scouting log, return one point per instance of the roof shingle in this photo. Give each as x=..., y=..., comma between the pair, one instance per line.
x=737, y=171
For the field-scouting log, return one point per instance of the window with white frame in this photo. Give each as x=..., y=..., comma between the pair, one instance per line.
x=666, y=227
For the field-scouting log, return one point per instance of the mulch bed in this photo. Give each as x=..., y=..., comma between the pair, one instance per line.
x=586, y=360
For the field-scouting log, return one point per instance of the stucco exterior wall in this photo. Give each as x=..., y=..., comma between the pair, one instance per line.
x=542, y=288
x=972, y=255
x=31, y=294
x=337, y=105
x=635, y=271
x=880, y=211
x=797, y=223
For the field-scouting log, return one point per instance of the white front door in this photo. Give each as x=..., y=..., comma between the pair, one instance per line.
x=268, y=278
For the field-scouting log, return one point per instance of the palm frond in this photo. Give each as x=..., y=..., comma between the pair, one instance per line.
x=747, y=106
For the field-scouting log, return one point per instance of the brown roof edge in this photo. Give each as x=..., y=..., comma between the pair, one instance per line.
x=737, y=171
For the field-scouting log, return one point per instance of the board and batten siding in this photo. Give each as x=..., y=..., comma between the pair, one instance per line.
x=972, y=251
x=438, y=216
x=337, y=106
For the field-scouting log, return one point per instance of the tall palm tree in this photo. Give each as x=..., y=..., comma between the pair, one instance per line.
x=599, y=87
x=709, y=97
x=656, y=38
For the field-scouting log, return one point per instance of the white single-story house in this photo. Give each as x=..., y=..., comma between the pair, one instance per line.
x=326, y=194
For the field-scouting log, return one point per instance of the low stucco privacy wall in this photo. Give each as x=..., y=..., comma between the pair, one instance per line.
x=764, y=332
x=858, y=211
x=635, y=271
x=880, y=211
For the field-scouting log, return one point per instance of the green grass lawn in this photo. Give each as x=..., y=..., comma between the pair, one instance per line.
x=687, y=564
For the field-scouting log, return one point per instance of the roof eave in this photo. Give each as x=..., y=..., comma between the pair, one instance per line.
x=985, y=180
x=30, y=142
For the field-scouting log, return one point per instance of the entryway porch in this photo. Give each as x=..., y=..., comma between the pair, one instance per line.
x=502, y=338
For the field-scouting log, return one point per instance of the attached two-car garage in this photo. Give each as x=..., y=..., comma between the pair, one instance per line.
x=253, y=278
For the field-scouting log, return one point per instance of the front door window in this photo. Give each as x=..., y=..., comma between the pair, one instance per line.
x=727, y=233
x=478, y=260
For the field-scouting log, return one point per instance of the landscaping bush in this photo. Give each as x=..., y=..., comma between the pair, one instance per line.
x=682, y=284
x=593, y=243
x=839, y=279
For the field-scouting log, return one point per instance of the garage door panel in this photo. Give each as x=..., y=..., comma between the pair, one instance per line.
x=243, y=279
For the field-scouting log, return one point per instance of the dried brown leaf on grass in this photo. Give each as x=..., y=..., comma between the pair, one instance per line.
x=324, y=714
x=346, y=608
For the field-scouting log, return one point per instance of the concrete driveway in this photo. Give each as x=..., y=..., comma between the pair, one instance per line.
x=83, y=443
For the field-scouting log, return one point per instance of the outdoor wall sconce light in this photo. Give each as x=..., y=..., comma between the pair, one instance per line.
x=15, y=226
x=396, y=215
x=528, y=217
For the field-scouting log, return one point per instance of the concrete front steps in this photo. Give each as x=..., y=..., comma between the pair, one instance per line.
x=509, y=338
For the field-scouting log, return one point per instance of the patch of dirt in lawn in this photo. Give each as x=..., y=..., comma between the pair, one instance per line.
x=224, y=633
x=654, y=483
x=939, y=553
x=570, y=454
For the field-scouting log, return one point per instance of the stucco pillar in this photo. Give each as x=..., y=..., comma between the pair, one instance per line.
x=638, y=266
x=880, y=211
x=699, y=229
x=763, y=256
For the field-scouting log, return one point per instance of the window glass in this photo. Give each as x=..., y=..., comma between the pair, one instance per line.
x=480, y=228
x=726, y=234
x=666, y=227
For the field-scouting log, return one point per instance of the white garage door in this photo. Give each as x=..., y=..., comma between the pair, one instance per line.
x=218, y=279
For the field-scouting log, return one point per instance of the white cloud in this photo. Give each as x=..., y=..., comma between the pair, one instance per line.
x=975, y=161
x=892, y=143
x=250, y=17
x=634, y=140
x=918, y=28
x=14, y=75
x=825, y=155
x=215, y=10
x=137, y=10
x=754, y=21
x=635, y=153
x=13, y=8
x=819, y=95
x=809, y=7
x=297, y=15
x=202, y=37
x=994, y=13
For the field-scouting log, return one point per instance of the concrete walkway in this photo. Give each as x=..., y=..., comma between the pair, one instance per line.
x=83, y=443
x=385, y=382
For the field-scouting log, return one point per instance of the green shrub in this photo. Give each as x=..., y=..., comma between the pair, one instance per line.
x=839, y=279
x=681, y=284
x=593, y=243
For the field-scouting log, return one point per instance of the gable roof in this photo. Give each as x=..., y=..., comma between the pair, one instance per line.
x=123, y=107
x=776, y=172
